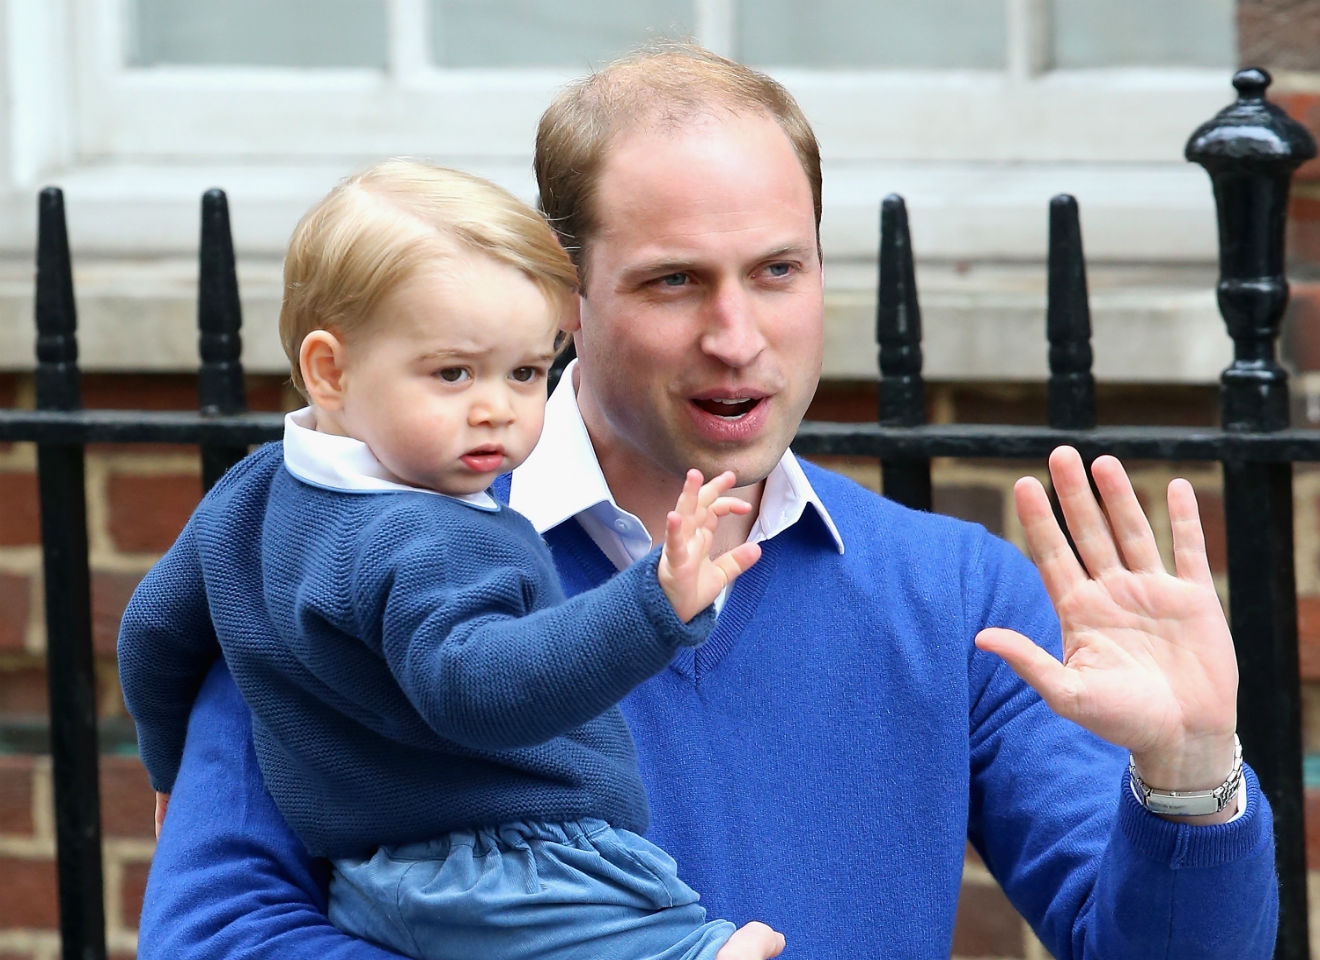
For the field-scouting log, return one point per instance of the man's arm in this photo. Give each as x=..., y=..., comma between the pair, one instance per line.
x=1145, y=663
x=229, y=879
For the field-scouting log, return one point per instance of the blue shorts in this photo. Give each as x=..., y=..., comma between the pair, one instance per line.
x=526, y=891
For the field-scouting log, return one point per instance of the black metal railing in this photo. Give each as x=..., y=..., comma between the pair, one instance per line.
x=1250, y=150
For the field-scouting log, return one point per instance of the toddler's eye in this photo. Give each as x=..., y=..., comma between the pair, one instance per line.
x=524, y=374
x=452, y=374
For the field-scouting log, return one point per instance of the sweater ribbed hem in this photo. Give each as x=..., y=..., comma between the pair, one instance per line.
x=1183, y=845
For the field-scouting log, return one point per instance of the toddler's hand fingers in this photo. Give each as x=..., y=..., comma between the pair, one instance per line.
x=738, y=560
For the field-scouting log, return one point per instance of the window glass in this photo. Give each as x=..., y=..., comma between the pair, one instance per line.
x=549, y=33
x=845, y=34
x=262, y=33
x=1157, y=33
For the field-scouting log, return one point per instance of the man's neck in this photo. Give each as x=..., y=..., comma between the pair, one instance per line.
x=649, y=493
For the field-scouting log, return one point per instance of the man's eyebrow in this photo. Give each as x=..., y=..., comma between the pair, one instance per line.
x=662, y=267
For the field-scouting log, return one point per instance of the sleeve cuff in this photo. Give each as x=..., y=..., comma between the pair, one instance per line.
x=1183, y=845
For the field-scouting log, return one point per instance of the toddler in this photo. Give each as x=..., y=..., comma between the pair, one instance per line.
x=429, y=712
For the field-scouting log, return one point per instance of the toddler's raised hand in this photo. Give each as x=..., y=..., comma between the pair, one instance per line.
x=689, y=576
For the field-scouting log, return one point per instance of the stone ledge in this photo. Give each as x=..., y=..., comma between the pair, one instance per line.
x=981, y=321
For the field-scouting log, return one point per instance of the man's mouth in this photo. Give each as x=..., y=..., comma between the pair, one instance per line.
x=728, y=408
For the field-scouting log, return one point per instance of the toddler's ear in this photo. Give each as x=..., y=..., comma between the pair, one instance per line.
x=321, y=360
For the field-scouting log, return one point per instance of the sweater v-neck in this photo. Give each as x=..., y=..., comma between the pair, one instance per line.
x=582, y=565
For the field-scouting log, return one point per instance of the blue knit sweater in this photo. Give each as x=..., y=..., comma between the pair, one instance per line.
x=819, y=764
x=410, y=661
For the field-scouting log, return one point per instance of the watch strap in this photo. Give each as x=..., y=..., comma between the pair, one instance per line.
x=1188, y=803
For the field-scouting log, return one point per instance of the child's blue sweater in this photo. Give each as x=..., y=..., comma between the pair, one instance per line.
x=410, y=661
x=819, y=764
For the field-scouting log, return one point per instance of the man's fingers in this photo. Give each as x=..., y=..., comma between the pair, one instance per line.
x=1036, y=666
x=1086, y=521
x=1131, y=528
x=752, y=941
x=1059, y=569
x=1189, y=557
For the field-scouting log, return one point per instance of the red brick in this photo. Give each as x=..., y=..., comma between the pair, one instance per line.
x=978, y=503
x=1308, y=641
x=844, y=401
x=986, y=924
x=110, y=593
x=131, y=891
x=1311, y=813
x=23, y=689
x=1211, y=504
x=16, y=795
x=1301, y=327
x=28, y=894
x=1304, y=107
x=15, y=607
x=146, y=512
x=140, y=391
x=20, y=520
x=126, y=799
x=1304, y=229
x=169, y=391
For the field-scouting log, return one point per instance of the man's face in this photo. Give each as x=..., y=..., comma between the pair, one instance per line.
x=702, y=316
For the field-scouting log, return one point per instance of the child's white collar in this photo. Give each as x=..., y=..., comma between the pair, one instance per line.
x=342, y=463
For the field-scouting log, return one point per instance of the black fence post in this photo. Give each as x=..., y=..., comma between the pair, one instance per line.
x=1250, y=149
x=219, y=318
x=69, y=665
x=898, y=332
x=1068, y=322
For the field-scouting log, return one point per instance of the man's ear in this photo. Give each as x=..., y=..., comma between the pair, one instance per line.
x=321, y=358
x=571, y=321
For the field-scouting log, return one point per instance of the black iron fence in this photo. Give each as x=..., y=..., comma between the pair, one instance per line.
x=1250, y=150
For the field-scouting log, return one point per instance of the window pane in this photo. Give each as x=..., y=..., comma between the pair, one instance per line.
x=1157, y=33
x=846, y=34
x=549, y=33
x=262, y=33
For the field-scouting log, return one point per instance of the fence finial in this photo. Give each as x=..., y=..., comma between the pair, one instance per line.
x=58, y=383
x=898, y=321
x=1250, y=149
x=1068, y=322
x=219, y=315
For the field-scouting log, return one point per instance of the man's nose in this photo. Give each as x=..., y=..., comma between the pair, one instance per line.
x=733, y=329
x=491, y=406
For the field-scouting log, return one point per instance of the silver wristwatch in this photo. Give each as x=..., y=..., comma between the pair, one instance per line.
x=1189, y=803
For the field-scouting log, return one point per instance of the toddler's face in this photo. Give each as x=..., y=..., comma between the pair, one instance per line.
x=446, y=383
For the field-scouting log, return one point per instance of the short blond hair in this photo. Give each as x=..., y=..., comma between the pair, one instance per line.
x=664, y=83
x=377, y=228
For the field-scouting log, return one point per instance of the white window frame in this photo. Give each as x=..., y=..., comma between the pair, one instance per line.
x=976, y=153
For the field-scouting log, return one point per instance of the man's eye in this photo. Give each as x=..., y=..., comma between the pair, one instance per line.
x=779, y=269
x=673, y=279
x=524, y=374
x=452, y=374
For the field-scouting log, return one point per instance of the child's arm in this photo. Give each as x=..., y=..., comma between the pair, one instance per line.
x=166, y=645
x=689, y=576
x=491, y=657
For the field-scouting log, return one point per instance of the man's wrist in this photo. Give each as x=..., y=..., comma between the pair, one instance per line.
x=1189, y=803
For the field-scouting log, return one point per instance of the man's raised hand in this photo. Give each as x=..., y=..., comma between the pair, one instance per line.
x=1148, y=660
x=689, y=576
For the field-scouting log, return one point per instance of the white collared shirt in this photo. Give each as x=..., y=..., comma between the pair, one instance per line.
x=562, y=479
x=342, y=463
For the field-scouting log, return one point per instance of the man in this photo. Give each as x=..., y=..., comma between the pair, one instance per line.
x=821, y=760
